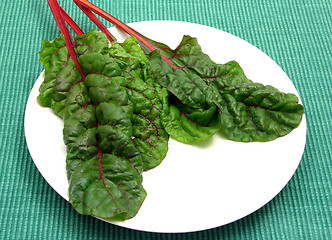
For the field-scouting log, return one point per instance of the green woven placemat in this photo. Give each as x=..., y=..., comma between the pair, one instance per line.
x=297, y=34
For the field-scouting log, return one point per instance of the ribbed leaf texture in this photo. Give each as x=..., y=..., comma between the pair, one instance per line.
x=249, y=111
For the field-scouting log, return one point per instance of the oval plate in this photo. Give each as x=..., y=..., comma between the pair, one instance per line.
x=199, y=186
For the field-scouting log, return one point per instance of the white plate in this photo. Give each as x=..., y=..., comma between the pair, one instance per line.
x=200, y=186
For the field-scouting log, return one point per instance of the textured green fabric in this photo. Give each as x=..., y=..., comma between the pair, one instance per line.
x=297, y=34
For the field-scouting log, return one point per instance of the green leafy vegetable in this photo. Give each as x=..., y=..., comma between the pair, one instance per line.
x=105, y=142
x=149, y=135
x=153, y=141
x=120, y=103
x=103, y=164
x=186, y=124
x=250, y=111
x=104, y=167
x=58, y=65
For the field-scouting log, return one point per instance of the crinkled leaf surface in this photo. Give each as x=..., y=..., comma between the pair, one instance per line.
x=114, y=121
x=183, y=82
x=250, y=111
x=150, y=137
x=186, y=124
x=104, y=167
x=58, y=65
x=130, y=60
x=186, y=79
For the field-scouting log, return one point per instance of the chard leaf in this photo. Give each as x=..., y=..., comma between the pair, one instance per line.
x=128, y=49
x=58, y=65
x=249, y=111
x=150, y=137
x=185, y=78
x=130, y=69
x=189, y=125
x=103, y=165
x=184, y=83
x=252, y=111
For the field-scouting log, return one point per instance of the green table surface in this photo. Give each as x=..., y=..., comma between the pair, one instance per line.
x=296, y=34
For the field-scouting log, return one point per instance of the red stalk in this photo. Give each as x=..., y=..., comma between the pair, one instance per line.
x=55, y=8
x=71, y=23
x=94, y=19
x=122, y=26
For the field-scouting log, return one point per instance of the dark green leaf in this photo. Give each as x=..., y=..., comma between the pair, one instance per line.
x=250, y=111
x=104, y=166
x=150, y=137
x=58, y=66
x=189, y=125
x=128, y=66
x=254, y=112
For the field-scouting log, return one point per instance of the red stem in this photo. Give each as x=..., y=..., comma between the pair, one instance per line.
x=55, y=8
x=121, y=25
x=71, y=23
x=94, y=19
